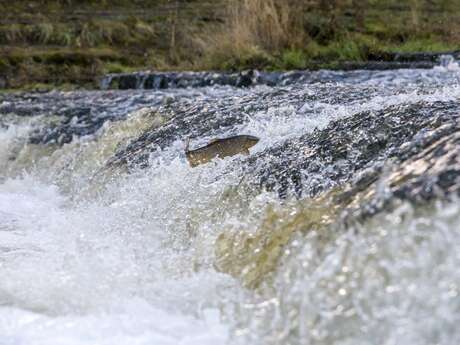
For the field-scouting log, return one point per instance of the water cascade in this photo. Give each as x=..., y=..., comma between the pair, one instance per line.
x=340, y=227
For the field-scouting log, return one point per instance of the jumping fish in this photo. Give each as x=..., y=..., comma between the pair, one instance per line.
x=221, y=148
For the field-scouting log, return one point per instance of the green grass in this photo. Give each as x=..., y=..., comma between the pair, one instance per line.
x=117, y=67
x=39, y=47
x=425, y=45
x=293, y=59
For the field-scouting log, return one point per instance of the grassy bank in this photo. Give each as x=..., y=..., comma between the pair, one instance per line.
x=70, y=43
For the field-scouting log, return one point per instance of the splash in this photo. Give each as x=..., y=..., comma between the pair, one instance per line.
x=167, y=254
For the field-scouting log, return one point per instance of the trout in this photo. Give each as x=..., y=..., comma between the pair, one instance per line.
x=221, y=148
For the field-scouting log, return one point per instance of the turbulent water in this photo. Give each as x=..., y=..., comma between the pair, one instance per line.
x=108, y=236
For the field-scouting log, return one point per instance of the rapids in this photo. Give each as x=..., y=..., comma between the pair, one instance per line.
x=108, y=236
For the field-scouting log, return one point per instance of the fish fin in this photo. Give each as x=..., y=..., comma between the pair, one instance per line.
x=187, y=144
x=246, y=152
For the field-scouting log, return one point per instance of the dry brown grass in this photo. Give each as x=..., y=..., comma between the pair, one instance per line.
x=266, y=24
x=253, y=29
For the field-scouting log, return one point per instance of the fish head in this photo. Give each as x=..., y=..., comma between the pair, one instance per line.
x=250, y=141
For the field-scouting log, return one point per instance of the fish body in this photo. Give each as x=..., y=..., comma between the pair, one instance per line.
x=221, y=148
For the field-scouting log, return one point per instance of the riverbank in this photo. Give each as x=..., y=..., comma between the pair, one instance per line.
x=70, y=45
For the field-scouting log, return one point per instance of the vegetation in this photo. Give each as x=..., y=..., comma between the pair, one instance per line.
x=67, y=41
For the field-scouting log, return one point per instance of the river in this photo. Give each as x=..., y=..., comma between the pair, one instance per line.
x=108, y=236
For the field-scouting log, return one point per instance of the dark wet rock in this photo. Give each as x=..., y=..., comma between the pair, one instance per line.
x=349, y=171
x=75, y=114
x=129, y=81
x=330, y=157
x=164, y=80
x=167, y=80
x=187, y=119
x=156, y=82
x=344, y=144
x=245, y=78
x=356, y=150
x=74, y=122
x=434, y=172
x=372, y=155
x=202, y=114
x=203, y=119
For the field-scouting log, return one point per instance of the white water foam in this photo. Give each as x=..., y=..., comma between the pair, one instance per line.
x=134, y=264
x=394, y=280
x=93, y=274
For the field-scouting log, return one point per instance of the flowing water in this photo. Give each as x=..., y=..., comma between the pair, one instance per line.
x=90, y=255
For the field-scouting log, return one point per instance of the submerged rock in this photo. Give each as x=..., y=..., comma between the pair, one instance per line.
x=80, y=113
x=205, y=118
x=350, y=171
x=374, y=145
x=351, y=150
x=166, y=80
x=345, y=149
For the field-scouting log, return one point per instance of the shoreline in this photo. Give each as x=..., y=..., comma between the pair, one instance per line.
x=153, y=79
